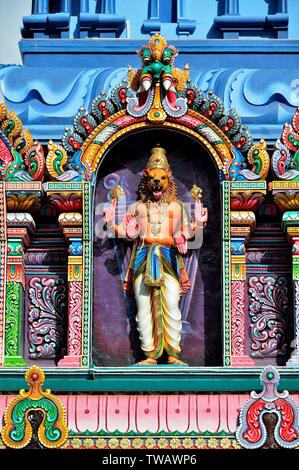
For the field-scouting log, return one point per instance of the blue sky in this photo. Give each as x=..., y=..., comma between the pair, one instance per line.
x=11, y=13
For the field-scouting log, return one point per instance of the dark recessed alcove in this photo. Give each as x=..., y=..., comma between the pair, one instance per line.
x=115, y=339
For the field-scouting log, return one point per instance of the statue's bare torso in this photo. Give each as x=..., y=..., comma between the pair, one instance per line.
x=156, y=222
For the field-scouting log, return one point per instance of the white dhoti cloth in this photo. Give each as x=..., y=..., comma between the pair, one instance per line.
x=158, y=277
x=158, y=318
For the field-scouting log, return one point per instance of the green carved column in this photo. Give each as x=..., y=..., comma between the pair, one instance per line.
x=15, y=288
x=17, y=239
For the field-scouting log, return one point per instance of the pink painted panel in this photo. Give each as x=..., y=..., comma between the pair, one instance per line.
x=223, y=423
x=88, y=413
x=82, y=413
x=132, y=412
x=117, y=413
x=178, y=413
x=102, y=412
x=208, y=413
x=151, y=413
x=162, y=411
x=147, y=415
x=193, y=424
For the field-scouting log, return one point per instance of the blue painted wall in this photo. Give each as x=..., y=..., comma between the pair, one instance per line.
x=165, y=16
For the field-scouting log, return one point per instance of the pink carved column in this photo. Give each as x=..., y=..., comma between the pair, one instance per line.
x=239, y=236
x=293, y=236
x=3, y=260
x=71, y=224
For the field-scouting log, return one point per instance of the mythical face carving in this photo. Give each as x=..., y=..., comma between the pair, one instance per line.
x=157, y=64
x=157, y=81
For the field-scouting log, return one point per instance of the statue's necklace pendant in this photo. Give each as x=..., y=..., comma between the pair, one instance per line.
x=155, y=229
x=155, y=220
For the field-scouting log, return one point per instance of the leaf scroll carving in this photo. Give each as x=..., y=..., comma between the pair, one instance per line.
x=46, y=317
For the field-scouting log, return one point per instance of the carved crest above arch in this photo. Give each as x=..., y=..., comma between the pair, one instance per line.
x=157, y=95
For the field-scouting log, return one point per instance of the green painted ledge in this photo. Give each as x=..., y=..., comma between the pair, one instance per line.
x=150, y=379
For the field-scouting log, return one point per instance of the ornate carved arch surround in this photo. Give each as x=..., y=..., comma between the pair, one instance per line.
x=93, y=153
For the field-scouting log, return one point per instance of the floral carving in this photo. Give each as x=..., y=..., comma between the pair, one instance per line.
x=75, y=319
x=268, y=308
x=13, y=301
x=238, y=336
x=257, y=428
x=46, y=317
x=67, y=202
x=246, y=201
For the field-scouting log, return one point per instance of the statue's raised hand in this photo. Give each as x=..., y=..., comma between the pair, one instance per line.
x=109, y=212
x=200, y=213
x=132, y=227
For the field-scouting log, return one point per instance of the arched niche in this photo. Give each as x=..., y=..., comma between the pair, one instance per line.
x=114, y=337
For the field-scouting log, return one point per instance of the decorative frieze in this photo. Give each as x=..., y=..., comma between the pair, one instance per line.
x=70, y=219
x=19, y=424
x=46, y=258
x=24, y=196
x=268, y=256
x=247, y=196
x=286, y=195
x=243, y=218
x=66, y=201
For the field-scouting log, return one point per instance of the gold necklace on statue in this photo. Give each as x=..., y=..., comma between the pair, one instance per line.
x=156, y=220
